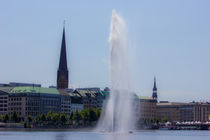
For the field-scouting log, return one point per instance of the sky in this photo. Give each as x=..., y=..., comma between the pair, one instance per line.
x=166, y=39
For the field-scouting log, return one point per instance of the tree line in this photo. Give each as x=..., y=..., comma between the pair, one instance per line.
x=86, y=117
x=148, y=122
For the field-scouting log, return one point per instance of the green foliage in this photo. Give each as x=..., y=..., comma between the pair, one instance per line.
x=6, y=118
x=1, y=118
x=30, y=118
x=26, y=125
x=43, y=118
x=71, y=117
x=92, y=114
x=77, y=117
x=38, y=119
x=15, y=117
x=164, y=119
x=157, y=120
x=52, y=118
x=85, y=117
x=49, y=116
x=63, y=118
x=55, y=118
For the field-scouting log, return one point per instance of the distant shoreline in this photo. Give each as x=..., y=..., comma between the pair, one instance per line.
x=79, y=129
x=48, y=129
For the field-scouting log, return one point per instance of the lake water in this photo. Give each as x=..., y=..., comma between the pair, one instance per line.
x=81, y=135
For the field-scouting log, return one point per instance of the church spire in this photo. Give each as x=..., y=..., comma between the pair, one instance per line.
x=63, y=61
x=154, y=87
x=154, y=94
x=62, y=74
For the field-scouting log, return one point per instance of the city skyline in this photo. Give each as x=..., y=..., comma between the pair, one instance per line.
x=172, y=46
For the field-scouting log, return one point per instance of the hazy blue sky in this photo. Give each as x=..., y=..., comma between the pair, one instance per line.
x=167, y=38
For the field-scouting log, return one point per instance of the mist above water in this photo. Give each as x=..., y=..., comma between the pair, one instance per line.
x=117, y=115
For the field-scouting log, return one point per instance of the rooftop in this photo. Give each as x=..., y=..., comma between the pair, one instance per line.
x=170, y=103
x=145, y=97
x=6, y=89
x=86, y=92
x=34, y=90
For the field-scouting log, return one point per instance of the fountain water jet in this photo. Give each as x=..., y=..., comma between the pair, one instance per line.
x=117, y=115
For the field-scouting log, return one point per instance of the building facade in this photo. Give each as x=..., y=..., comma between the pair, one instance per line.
x=37, y=100
x=4, y=99
x=147, y=108
x=66, y=106
x=3, y=102
x=168, y=110
x=89, y=98
x=76, y=102
x=184, y=112
x=17, y=102
x=201, y=111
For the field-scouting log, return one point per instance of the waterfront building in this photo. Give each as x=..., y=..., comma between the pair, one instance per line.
x=169, y=110
x=89, y=97
x=66, y=106
x=147, y=105
x=97, y=93
x=105, y=93
x=186, y=111
x=100, y=99
x=202, y=111
x=183, y=112
x=76, y=102
x=4, y=100
x=4, y=85
x=104, y=97
x=37, y=100
x=92, y=97
x=33, y=101
x=17, y=102
x=147, y=108
x=71, y=101
x=62, y=73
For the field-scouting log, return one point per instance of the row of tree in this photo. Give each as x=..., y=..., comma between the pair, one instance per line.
x=147, y=122
x=14, y=118
x=85, y=117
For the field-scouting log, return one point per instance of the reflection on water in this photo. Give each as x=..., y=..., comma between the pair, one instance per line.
x=61, y=136
x=78, y=135
x=114, y=136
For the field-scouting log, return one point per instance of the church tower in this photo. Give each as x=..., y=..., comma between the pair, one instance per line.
x=62, y=73
x=154, y=94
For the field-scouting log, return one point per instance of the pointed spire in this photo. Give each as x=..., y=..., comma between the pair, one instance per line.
x=154, y=88
x=154, y=94
x=63, y=61
x=62, y=73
